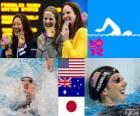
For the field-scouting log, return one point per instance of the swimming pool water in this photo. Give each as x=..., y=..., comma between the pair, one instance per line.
x=95, y=108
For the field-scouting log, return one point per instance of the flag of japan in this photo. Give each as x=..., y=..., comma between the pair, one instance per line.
x=71, y=106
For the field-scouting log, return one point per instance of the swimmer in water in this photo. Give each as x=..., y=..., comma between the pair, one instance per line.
x=107, y=86
x=23, y=107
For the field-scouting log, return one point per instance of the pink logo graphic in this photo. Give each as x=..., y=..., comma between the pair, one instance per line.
x=96, y=47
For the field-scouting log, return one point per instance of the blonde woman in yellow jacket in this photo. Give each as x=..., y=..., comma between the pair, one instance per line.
x=74, y=34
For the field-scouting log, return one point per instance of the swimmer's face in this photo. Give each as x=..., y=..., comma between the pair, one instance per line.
x=68, y=14
x=17, y=25
x=116, y=88
x=26, y=82
x=49, y=19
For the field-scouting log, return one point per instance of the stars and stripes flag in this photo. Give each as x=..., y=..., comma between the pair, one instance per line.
x=71, y=87
x=71, y=67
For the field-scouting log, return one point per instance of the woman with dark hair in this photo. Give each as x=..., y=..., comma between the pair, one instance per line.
x=23, y=43
x=49, y=42
x=107, y=85
x=74, y=34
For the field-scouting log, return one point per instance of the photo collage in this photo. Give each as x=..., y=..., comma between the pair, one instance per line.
x=69, y=58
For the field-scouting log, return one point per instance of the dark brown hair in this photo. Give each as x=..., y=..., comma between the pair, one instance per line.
x=78, y=21
x=27, y=32
x=26, y=28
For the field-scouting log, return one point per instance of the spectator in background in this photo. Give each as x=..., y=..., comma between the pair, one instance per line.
x=84, y=17
x=6, y=47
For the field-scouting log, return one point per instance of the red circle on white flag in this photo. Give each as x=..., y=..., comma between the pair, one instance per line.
x=71, y=106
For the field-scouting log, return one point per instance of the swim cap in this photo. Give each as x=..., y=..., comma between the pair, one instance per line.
x=99, y=79
x=30, y=79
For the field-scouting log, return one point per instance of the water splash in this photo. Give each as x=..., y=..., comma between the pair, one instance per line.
x=46, y=97
x=11, y=90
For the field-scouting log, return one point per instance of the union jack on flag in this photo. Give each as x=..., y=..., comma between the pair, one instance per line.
x=69, y=86
x=64, y=82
